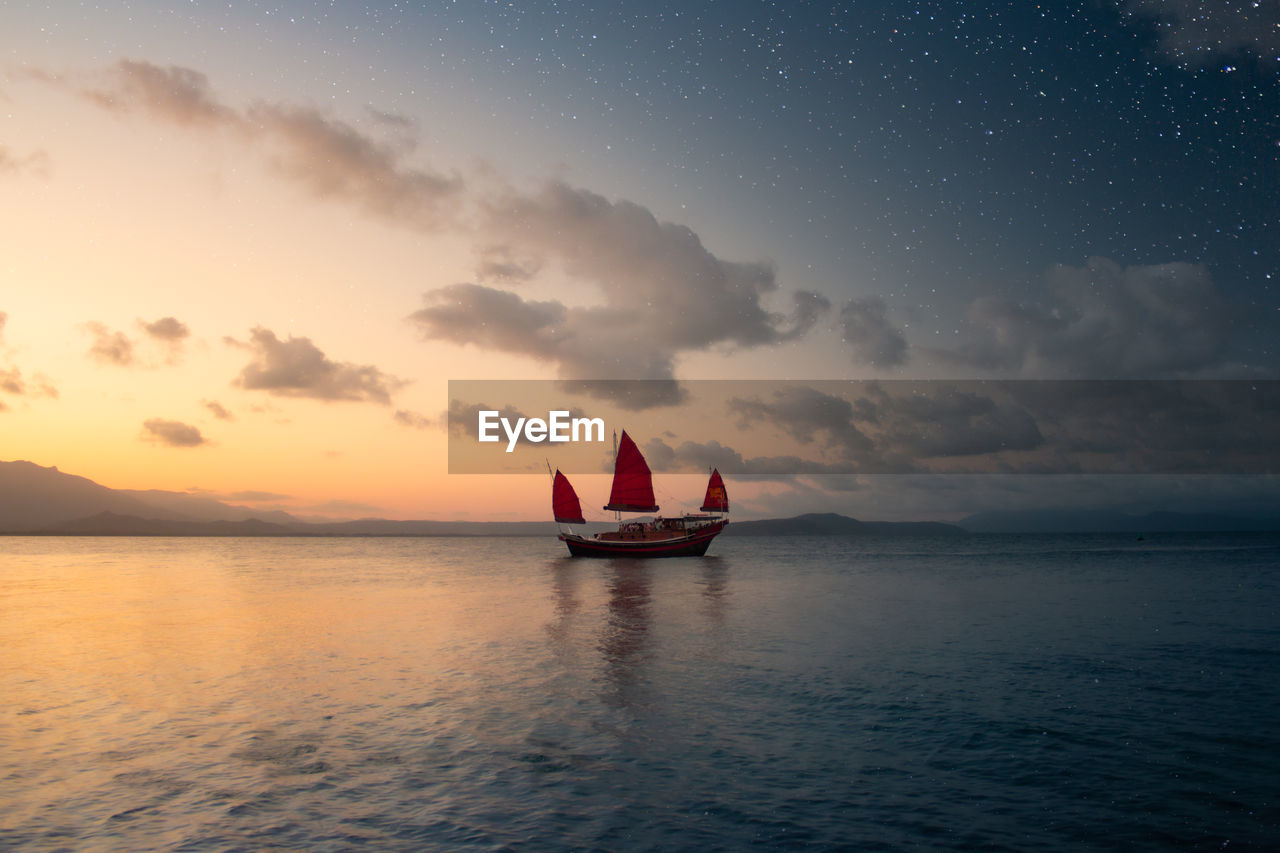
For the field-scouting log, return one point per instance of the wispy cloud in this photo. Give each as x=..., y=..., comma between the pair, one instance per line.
x=869, y=335
x=172, y=433
x=414, y=420
x=296, y=367
x=327, y=157
x=12, y=380
x=109, y=347
x=332, y=159
x=1104, y=321
x=35, y=163
x=218, y=410
x=1196, y=32
x=173, y=93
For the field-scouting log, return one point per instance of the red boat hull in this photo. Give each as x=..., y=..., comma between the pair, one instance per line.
x=693, y=545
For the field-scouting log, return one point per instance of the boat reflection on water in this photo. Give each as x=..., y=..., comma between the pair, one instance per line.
x=622, y=635
x=624, y=639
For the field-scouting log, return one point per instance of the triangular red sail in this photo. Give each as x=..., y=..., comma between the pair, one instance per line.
x=632, y=483
x=564, y=501
x=717, y=499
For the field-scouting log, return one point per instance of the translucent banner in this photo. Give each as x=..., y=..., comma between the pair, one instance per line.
x=789, y=428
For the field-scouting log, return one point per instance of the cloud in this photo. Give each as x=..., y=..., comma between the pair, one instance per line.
x=327, y=157
x=297, y=368
x=659, y=292
x=414, y=420
x=172, y=433
x=218, y=410
x=169, y=333
x=656, y=292
x=809, y=416
x=173, y=93
x=331, y=159
x=504, y=264
x=1196, y=32
x=868, y=334
x=109, y=347
x=11, y=381
x=464, y=418
x=947, y=422
x=1106, y=321
x=36, y=163
x=701, y=456
x=166, y=329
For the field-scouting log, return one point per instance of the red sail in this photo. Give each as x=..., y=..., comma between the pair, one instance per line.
x=717, y=499
x=632, y=483
x=564, y=501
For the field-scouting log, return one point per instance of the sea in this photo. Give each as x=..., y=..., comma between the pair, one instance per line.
x=1030, y=692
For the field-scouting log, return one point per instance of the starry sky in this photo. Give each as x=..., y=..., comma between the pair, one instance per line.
x=246, y=245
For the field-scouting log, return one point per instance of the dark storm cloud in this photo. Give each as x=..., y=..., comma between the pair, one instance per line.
x=298, y=368
x=172, y=433
x=109, y=347
x=1105, y=321
x=869, y=335
x=1196, y=32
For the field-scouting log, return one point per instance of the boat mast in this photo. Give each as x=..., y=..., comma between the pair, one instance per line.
x=617, y=513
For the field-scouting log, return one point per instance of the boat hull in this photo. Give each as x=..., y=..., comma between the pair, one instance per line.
x=693, y=545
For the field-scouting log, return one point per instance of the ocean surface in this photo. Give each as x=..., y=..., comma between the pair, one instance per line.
x=987, y=693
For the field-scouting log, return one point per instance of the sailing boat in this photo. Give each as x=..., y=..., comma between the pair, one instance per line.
x=684, y=536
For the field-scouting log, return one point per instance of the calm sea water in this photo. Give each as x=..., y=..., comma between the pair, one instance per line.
x=998, y=693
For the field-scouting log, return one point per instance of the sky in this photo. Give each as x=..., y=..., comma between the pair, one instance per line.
x=244, y=247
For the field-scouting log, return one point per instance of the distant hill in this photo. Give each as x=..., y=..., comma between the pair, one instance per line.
x=112, y=524
x=35, y=498
x=831, y=524
x=1102, y=521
